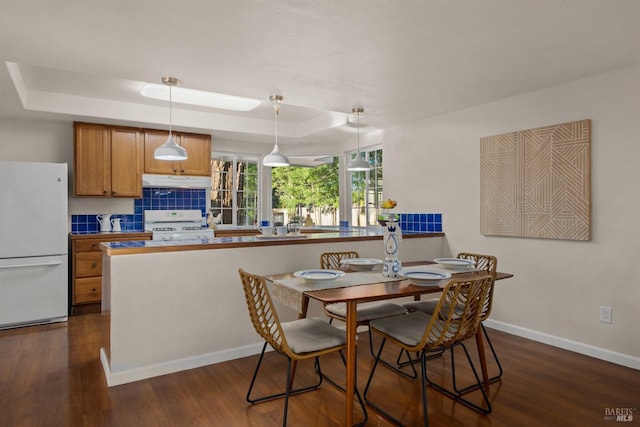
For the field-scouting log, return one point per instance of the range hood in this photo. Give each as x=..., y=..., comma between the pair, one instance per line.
x=176, y=181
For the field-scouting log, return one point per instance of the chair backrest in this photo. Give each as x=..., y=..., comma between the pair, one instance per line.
x=262, y=312
x=489, y=263
x=331, y=260
x=458, y=313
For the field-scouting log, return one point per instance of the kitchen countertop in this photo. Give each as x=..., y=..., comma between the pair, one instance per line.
x=150, y=246
x=107, y=234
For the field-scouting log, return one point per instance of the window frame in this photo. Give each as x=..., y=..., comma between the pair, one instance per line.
x=373, y=195
x=236, y=158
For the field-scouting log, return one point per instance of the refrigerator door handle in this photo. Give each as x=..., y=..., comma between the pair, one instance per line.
x=44, y=264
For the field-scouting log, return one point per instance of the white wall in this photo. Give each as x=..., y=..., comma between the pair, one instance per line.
x=36, y=141
x=433, y=165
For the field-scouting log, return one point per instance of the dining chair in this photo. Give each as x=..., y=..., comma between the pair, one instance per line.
x=365, y=312
x=297, y=340
x=456, y=318
x=489, y=263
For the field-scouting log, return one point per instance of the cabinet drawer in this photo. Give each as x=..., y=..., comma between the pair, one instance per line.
x=86, y=245
x=88, y=264
x=87, y=290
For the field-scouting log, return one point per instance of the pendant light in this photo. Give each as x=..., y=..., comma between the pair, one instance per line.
x=358, y=164
x=274, y=158
x=170, y=150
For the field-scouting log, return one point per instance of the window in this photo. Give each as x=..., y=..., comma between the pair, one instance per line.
x=234, y=189
x=366, y=190
x=307, y=194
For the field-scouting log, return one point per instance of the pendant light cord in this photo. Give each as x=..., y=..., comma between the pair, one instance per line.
x=358, y=163
x=358, y=129
x=276, y=110
x=275, y=158
x=170, y=110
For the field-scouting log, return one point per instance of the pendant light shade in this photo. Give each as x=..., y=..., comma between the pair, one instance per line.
x=358, y=164
x=170, y=150
x=275, y=158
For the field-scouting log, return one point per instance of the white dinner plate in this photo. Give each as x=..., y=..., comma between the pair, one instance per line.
x=455, y=263
x=361, y=264
x=422, y=275
x=319, y=276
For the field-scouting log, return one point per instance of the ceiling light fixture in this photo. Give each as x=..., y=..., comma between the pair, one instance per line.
x=358, y=164
x=200, y=97
x=170, y=150
x=274, y=158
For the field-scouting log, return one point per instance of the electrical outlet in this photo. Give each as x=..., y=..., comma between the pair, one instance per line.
x=605, y=314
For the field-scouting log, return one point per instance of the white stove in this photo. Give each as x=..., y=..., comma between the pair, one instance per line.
x=176, y=225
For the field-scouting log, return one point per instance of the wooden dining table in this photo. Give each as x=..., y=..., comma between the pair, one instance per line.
x=375, y=291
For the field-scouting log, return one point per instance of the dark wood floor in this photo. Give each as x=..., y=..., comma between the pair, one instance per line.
x=51, y=376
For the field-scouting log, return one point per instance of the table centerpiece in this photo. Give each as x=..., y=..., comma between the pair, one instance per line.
x=392, y=238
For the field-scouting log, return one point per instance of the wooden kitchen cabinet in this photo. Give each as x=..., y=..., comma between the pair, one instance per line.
x=108, y=161
x=198, y=148
x=86, y=267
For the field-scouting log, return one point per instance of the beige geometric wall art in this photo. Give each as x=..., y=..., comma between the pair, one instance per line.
x=537, y=183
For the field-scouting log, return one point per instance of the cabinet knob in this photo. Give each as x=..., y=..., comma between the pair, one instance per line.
x=175, y=170
x=104, y=191
x=94, y=265
x=94, y=245
x=93, y=290
x=181, y=170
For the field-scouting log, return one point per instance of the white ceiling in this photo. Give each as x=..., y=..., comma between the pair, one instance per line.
x=402, y=60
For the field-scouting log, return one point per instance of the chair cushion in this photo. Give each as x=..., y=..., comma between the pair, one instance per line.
x=311, y=334
x=428, y=306
x=368, y=311
x=408, y=328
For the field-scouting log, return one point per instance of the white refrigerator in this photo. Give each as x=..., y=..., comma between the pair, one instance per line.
x=33, y=243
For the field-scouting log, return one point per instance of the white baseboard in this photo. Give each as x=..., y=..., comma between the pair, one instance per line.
x=137, y=374
x=578, y=347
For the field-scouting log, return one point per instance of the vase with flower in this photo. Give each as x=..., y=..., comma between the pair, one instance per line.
x=392, y=237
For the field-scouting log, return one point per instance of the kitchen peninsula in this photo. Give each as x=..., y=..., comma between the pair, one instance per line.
x=171, y=306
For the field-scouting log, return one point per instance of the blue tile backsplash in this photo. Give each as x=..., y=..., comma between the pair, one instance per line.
x=189, y=198
x=428, y=222
x=152, y=199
